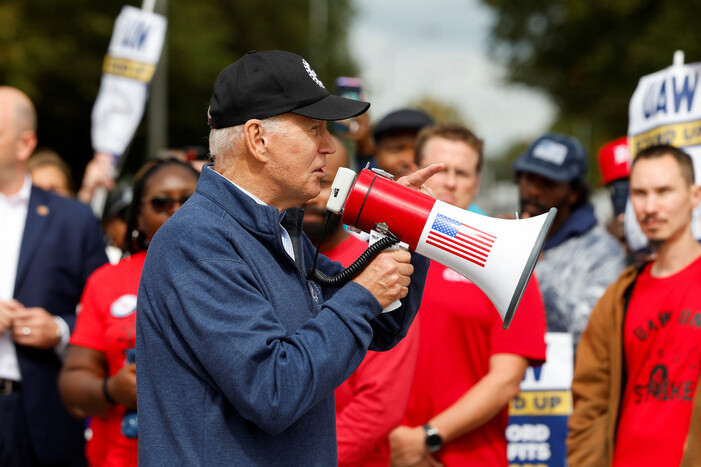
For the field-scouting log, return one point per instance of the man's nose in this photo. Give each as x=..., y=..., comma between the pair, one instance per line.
x=407, y=158
x=451, y=178
x=327, y=144
x=650, y=205
x=529, y=189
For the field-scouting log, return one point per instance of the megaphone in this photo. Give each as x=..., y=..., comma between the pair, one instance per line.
x=497, y=255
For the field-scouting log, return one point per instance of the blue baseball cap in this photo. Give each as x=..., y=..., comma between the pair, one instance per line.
x=554, y=156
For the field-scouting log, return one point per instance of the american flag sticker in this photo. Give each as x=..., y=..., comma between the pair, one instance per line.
x=460, y=239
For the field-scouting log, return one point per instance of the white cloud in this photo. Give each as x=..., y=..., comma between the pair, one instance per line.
x=412, y=49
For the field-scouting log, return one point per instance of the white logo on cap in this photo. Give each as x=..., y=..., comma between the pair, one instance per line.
x=621, y=154
x=312, y=73
x=550, y=151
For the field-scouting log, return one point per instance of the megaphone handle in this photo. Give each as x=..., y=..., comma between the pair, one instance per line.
x=343, y=277
x=375, y=237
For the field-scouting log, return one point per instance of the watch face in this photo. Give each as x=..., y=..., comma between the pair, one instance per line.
x=433, y=439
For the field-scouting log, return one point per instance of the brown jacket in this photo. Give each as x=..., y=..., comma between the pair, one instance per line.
x=596, y=387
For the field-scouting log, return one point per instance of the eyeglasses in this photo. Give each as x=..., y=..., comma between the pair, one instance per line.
x=163, y=204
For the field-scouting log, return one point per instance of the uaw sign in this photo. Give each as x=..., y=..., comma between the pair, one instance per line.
x=537, y=427
x=134, y=51
x=666, y=109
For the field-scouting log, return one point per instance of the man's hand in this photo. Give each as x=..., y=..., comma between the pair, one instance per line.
x=388, y=276
x=360, y=133
x=35, y=327
x=408, y=447
x=7, y=311
x=98, y=173
x=122, y=386
x=415, y=180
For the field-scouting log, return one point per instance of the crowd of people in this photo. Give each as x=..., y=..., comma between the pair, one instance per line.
x=183, y=326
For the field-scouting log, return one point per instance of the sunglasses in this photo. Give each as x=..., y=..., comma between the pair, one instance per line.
x=163, y=204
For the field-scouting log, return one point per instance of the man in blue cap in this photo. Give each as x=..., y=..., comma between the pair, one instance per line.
x=580, y=259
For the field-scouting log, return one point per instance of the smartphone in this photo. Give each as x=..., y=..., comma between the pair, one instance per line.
x=350, y=88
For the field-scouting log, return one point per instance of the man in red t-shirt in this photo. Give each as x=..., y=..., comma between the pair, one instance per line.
x=372, y=400
x=468, y=366
x=638, y=364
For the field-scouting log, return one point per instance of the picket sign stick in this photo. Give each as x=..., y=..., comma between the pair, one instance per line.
x=678, y=58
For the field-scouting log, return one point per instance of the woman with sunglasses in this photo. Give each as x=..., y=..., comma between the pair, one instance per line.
x=98, y=378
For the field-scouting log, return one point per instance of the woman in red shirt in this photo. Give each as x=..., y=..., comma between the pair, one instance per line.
x=96, y=379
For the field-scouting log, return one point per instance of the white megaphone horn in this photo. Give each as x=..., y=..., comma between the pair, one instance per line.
x=498, y=255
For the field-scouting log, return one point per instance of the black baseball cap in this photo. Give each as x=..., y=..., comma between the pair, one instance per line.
x=269, y=83
x=409, y=120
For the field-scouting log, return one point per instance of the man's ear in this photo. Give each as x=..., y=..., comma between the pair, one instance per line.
x=254, y=135
x=26, y=143
x=476, y=187
x=695, y=195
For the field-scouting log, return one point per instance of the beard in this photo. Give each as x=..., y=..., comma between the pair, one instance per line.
x=313, y=229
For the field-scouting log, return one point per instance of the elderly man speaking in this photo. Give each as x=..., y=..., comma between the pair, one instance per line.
x=237, y=353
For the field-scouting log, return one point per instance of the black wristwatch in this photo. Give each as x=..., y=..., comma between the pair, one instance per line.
x=433, y=439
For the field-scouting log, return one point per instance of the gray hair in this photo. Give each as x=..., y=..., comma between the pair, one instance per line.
x=227, y=140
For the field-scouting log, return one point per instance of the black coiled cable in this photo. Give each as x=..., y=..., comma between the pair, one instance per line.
x=343, y=277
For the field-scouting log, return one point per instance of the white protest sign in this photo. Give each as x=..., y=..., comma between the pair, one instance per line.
x=558, y=369
x=128, y=68
x=666, y=109
x=538, y=416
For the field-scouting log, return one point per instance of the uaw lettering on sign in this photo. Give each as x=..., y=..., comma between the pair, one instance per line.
x=128, y=68
x=656, y=97
x=666, y=109
x=134, y=35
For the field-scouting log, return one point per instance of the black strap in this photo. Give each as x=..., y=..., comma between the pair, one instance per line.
x=627, y=295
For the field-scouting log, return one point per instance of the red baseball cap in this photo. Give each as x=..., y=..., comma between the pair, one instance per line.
x=614, y=160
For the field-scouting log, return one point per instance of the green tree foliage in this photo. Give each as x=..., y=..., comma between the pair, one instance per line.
x=589, y=54
x=54, y=51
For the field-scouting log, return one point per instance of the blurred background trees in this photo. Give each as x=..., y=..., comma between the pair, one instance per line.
x=54, y=51
x=588, y=55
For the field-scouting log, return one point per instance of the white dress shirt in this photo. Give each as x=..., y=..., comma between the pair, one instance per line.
x=13, y=212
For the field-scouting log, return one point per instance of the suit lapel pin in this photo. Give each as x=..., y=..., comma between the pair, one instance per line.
x=42, y=210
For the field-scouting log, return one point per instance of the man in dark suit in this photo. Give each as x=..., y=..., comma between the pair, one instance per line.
x=50, y=245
